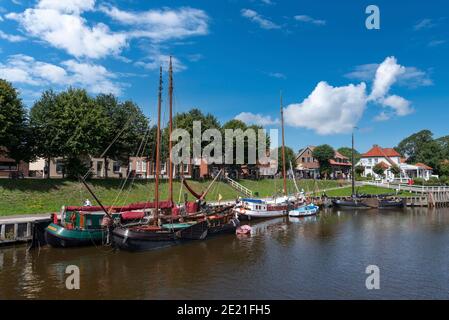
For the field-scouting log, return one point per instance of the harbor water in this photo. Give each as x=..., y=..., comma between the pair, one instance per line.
x=322, y=257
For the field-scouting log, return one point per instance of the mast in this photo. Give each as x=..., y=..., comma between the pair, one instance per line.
x=283, y=149
x=170, y=129
x=352, y=165
x=158, y=140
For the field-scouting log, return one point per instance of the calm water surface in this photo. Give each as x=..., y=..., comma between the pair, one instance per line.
x=314, y=258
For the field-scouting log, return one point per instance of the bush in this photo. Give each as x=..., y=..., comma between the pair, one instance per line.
x=419, y=181
x=444, y=180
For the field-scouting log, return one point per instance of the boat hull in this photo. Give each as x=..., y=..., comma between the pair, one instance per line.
x=60, y=237
x=227, y=228
x=368, y=203
x=135, y=239
x=305, y=211
x=256, y=214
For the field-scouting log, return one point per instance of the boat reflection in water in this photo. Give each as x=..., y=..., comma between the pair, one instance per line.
x=324, y=257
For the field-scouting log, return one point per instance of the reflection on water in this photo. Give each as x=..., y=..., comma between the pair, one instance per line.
x=314, y=257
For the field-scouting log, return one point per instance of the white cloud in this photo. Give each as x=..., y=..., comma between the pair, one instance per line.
x=269, y=2
x=399, y=104
x=62, y=24
x=258, y=119
x=26, y=70
x=157, y=59
x=412, y=77
x=435, y=43
x=308, y=19
x=10, y=37
x=386, y=75
x=424, y=24
x=161, y=25
x=255, y=17
x=383, y=116
x=59, y=23
x=278, y=75
x=329, y=110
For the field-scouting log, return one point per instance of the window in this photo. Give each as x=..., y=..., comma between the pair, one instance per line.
x=139, y=166
x=186, y=168
x=117, y=166
x=163, y=167
x=144, y=166
x=6, y=166
x=59, y=166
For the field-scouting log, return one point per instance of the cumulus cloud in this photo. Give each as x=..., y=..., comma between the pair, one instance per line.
x=412, y=77
x=333, y=110
x=26, y=70
x=328, y=109
x=258, y=119
x=309, y=19
x=158, y=60
x=386, y=74
x=60, y=24
x=164, y=24
x=63, y=25
x=10, y=37
x=255, y=17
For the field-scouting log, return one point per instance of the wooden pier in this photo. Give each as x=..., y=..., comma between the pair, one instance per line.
x=19, y=229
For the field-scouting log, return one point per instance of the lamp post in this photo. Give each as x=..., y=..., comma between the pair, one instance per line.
x=352, y=163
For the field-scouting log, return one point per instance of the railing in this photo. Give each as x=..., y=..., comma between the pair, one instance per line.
x=406, y=187
x=237, y=186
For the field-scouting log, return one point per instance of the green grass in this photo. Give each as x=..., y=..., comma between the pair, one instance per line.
x=32, y=196
x=343, y=192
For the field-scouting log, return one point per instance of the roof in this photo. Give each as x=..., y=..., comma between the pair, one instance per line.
x=377, y=151
x=339, y=155
x=423, y=166
x=384, y=165
x=335, y=163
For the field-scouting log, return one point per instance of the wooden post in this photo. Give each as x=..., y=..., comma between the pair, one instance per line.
x=16, y=231
x=2, y=232
x=28, y=234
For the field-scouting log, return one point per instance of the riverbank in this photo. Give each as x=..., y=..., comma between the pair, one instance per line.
x=37, y=196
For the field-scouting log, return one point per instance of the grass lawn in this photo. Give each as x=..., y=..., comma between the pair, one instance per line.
x=365, y=189
x=31, y=196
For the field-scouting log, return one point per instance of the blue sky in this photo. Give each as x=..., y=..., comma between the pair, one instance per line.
x=234, y=57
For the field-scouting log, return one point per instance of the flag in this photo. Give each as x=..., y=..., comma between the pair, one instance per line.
x=219, y=197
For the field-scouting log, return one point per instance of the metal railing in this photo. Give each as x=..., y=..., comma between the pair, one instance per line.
x=237, y=186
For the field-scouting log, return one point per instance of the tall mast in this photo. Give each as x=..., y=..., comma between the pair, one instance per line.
x=283, y=149
x=158, y=140
x=352, y=167
x=170, y=129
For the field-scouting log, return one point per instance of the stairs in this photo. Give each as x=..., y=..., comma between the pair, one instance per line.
x=237, y=186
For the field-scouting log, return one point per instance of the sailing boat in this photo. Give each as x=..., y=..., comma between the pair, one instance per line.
x=357, y=201
x=160, y=231
x=269, y=208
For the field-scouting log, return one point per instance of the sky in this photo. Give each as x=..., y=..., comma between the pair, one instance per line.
x=233, y=58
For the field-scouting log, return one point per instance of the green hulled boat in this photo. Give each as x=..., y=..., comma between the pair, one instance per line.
x=84, y=226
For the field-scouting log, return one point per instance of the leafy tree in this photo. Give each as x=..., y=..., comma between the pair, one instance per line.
x=431, y=154
x=125, y=128
x=347, y=152
x=16, y=139
x=412, y=145
x=323, y=153
x=290, y=157
x=44, y=122
x=379, y=169
x=444, y=143
x=444, y=167
x=359, y=170
x=395, y=170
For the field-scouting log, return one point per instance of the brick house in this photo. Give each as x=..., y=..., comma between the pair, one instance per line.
x=307, y=166
x=9, y=167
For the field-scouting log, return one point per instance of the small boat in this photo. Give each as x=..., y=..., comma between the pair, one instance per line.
x=248, y=208
x=304, y=211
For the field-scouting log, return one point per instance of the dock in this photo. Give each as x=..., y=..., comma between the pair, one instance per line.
x=20, y=229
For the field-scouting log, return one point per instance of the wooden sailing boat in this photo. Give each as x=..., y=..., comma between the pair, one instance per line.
x=162, y=231
x=250, y=208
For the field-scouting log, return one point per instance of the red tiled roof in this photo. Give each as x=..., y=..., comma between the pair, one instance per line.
x=424, y=166
x=377, y=151
x=339, y=155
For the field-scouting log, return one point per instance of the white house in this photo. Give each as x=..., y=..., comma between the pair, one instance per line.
x=387, y=158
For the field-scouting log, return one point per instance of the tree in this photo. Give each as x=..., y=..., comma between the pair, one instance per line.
x=412, y=145
x=125, y=128
x=323, y=153
x=395, y=170
x=347, y=152
x=16, y=140
x=290, y=157
x=431, y=154
x=359, y=170
x=44, y=117
x=378, y=169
